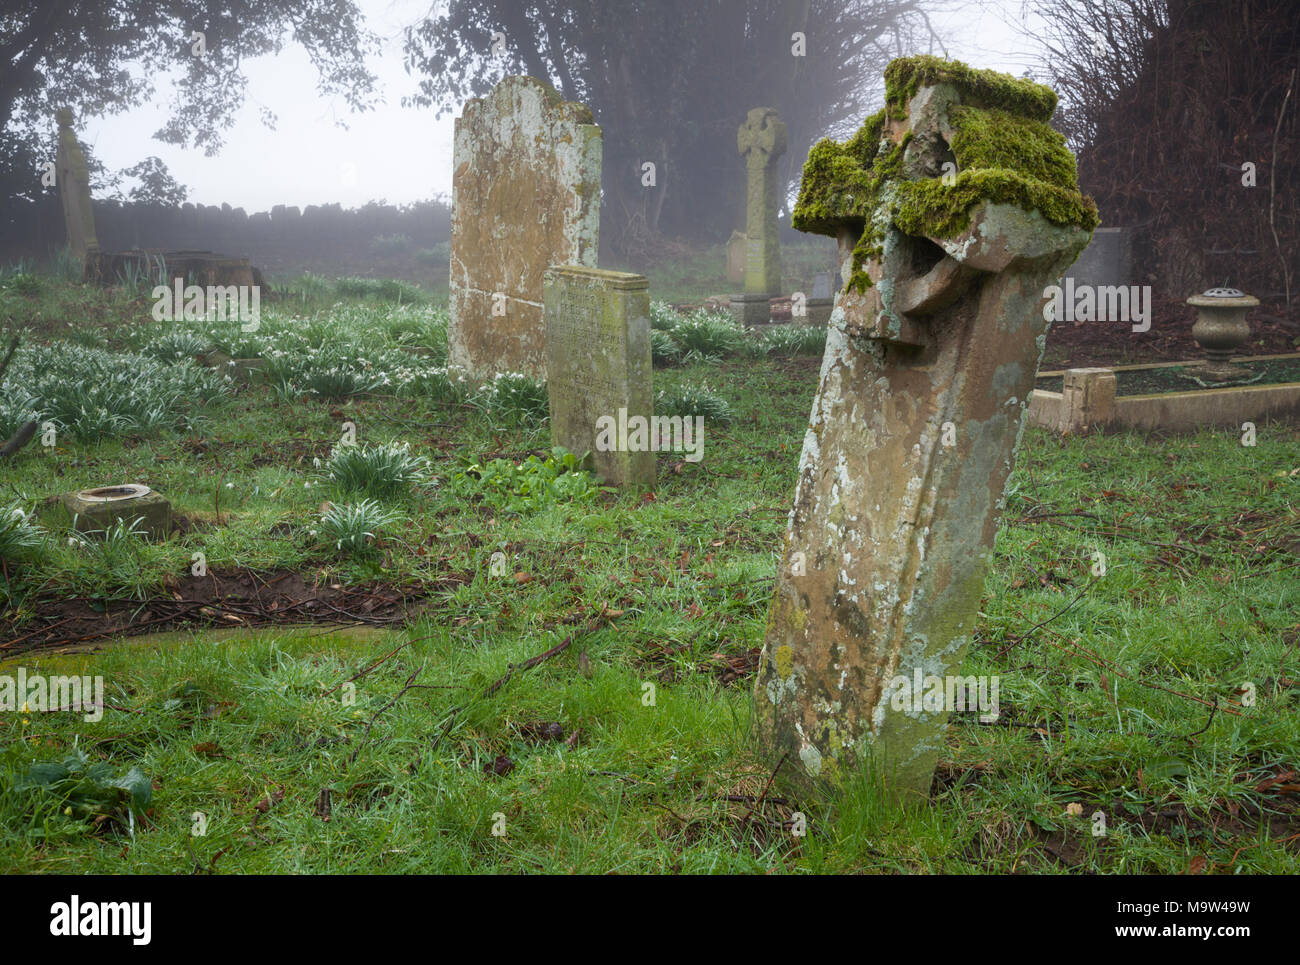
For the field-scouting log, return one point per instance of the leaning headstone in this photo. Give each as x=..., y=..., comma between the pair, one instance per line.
x=73, y=178
x=931, y=353
x=525, y=196
x=598, y=370
x=761, y=140
x=736, y=248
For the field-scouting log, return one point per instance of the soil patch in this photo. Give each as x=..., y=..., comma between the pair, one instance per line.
x=237, y=598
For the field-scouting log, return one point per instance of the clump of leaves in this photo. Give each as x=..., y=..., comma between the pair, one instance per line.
x=693, y=400
x=707, y=336
x=355, y=528
x=92, y=393
x=532, y=484
x=21, y=537
x=514, y=396
x=25, y=283
x=116, y=556
x=797, y=339
x=663, y=316
x=177, y=346
x=72, y=797
x=381, y=472
x=664, y=349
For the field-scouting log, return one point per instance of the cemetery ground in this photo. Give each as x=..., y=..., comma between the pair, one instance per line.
x=363, y=687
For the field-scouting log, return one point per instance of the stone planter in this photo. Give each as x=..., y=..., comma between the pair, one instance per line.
x=101, y=507
x=1220, y=329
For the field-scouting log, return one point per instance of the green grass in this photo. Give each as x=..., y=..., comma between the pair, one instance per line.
x=1107, y=705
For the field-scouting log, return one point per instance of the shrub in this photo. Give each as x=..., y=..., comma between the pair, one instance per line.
x=176, y=346
x=663, y=316
x=797, y=339
x=355, y=528
x=388, y=245
x=92, y=393
x=514, y=396
x=707, y=335
x=439, y=254
x=693, y=400
x=26, y=284
x=381, y=472
x=520, y=487
x=21, y=537
x=664, y=349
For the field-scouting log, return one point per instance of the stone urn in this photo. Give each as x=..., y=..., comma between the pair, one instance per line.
x=1221, y=329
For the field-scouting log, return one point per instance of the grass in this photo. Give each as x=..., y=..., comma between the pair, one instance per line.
x=310, y=750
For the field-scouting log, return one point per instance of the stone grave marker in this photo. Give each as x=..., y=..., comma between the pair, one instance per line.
x=1107, y=261
x=736, y=248
x=525, y=196
x=821, y=301
x=73, y=178
x=931, y=354
x=762, y=141
x=599, y=369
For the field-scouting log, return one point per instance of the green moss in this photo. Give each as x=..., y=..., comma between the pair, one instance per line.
x=929, y=207
x=842, y=183
x=990, y=138
x=978, y=88
x=1004, y=149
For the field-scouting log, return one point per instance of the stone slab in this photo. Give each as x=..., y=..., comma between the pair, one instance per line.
x=525, y=196
x=599, y=367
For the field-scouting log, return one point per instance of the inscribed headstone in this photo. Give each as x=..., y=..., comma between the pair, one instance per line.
x=599, y=369
x=525, y=196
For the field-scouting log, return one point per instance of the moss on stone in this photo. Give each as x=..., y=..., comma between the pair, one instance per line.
x=1004, y=149
x=978, y=88
x=932, y=209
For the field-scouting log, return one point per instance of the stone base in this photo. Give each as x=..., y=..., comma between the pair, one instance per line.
x=100, y=508
x=748, y=309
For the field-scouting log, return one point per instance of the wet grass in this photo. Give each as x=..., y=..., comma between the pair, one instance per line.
x=1162, y=694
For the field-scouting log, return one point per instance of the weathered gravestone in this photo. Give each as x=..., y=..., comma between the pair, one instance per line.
x=1107, y=261
x=598, y=369
x=736, y=250
x=820, y=303
x=525, y=196
x=932, y=350
x=761, y=140
x=73, y=178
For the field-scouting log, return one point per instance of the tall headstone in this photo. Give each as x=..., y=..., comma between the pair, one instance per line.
x=736, y=249
x=599, y=369
x=73, y=178
x=762, y=141
x=931, y=354
x=525, y=196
